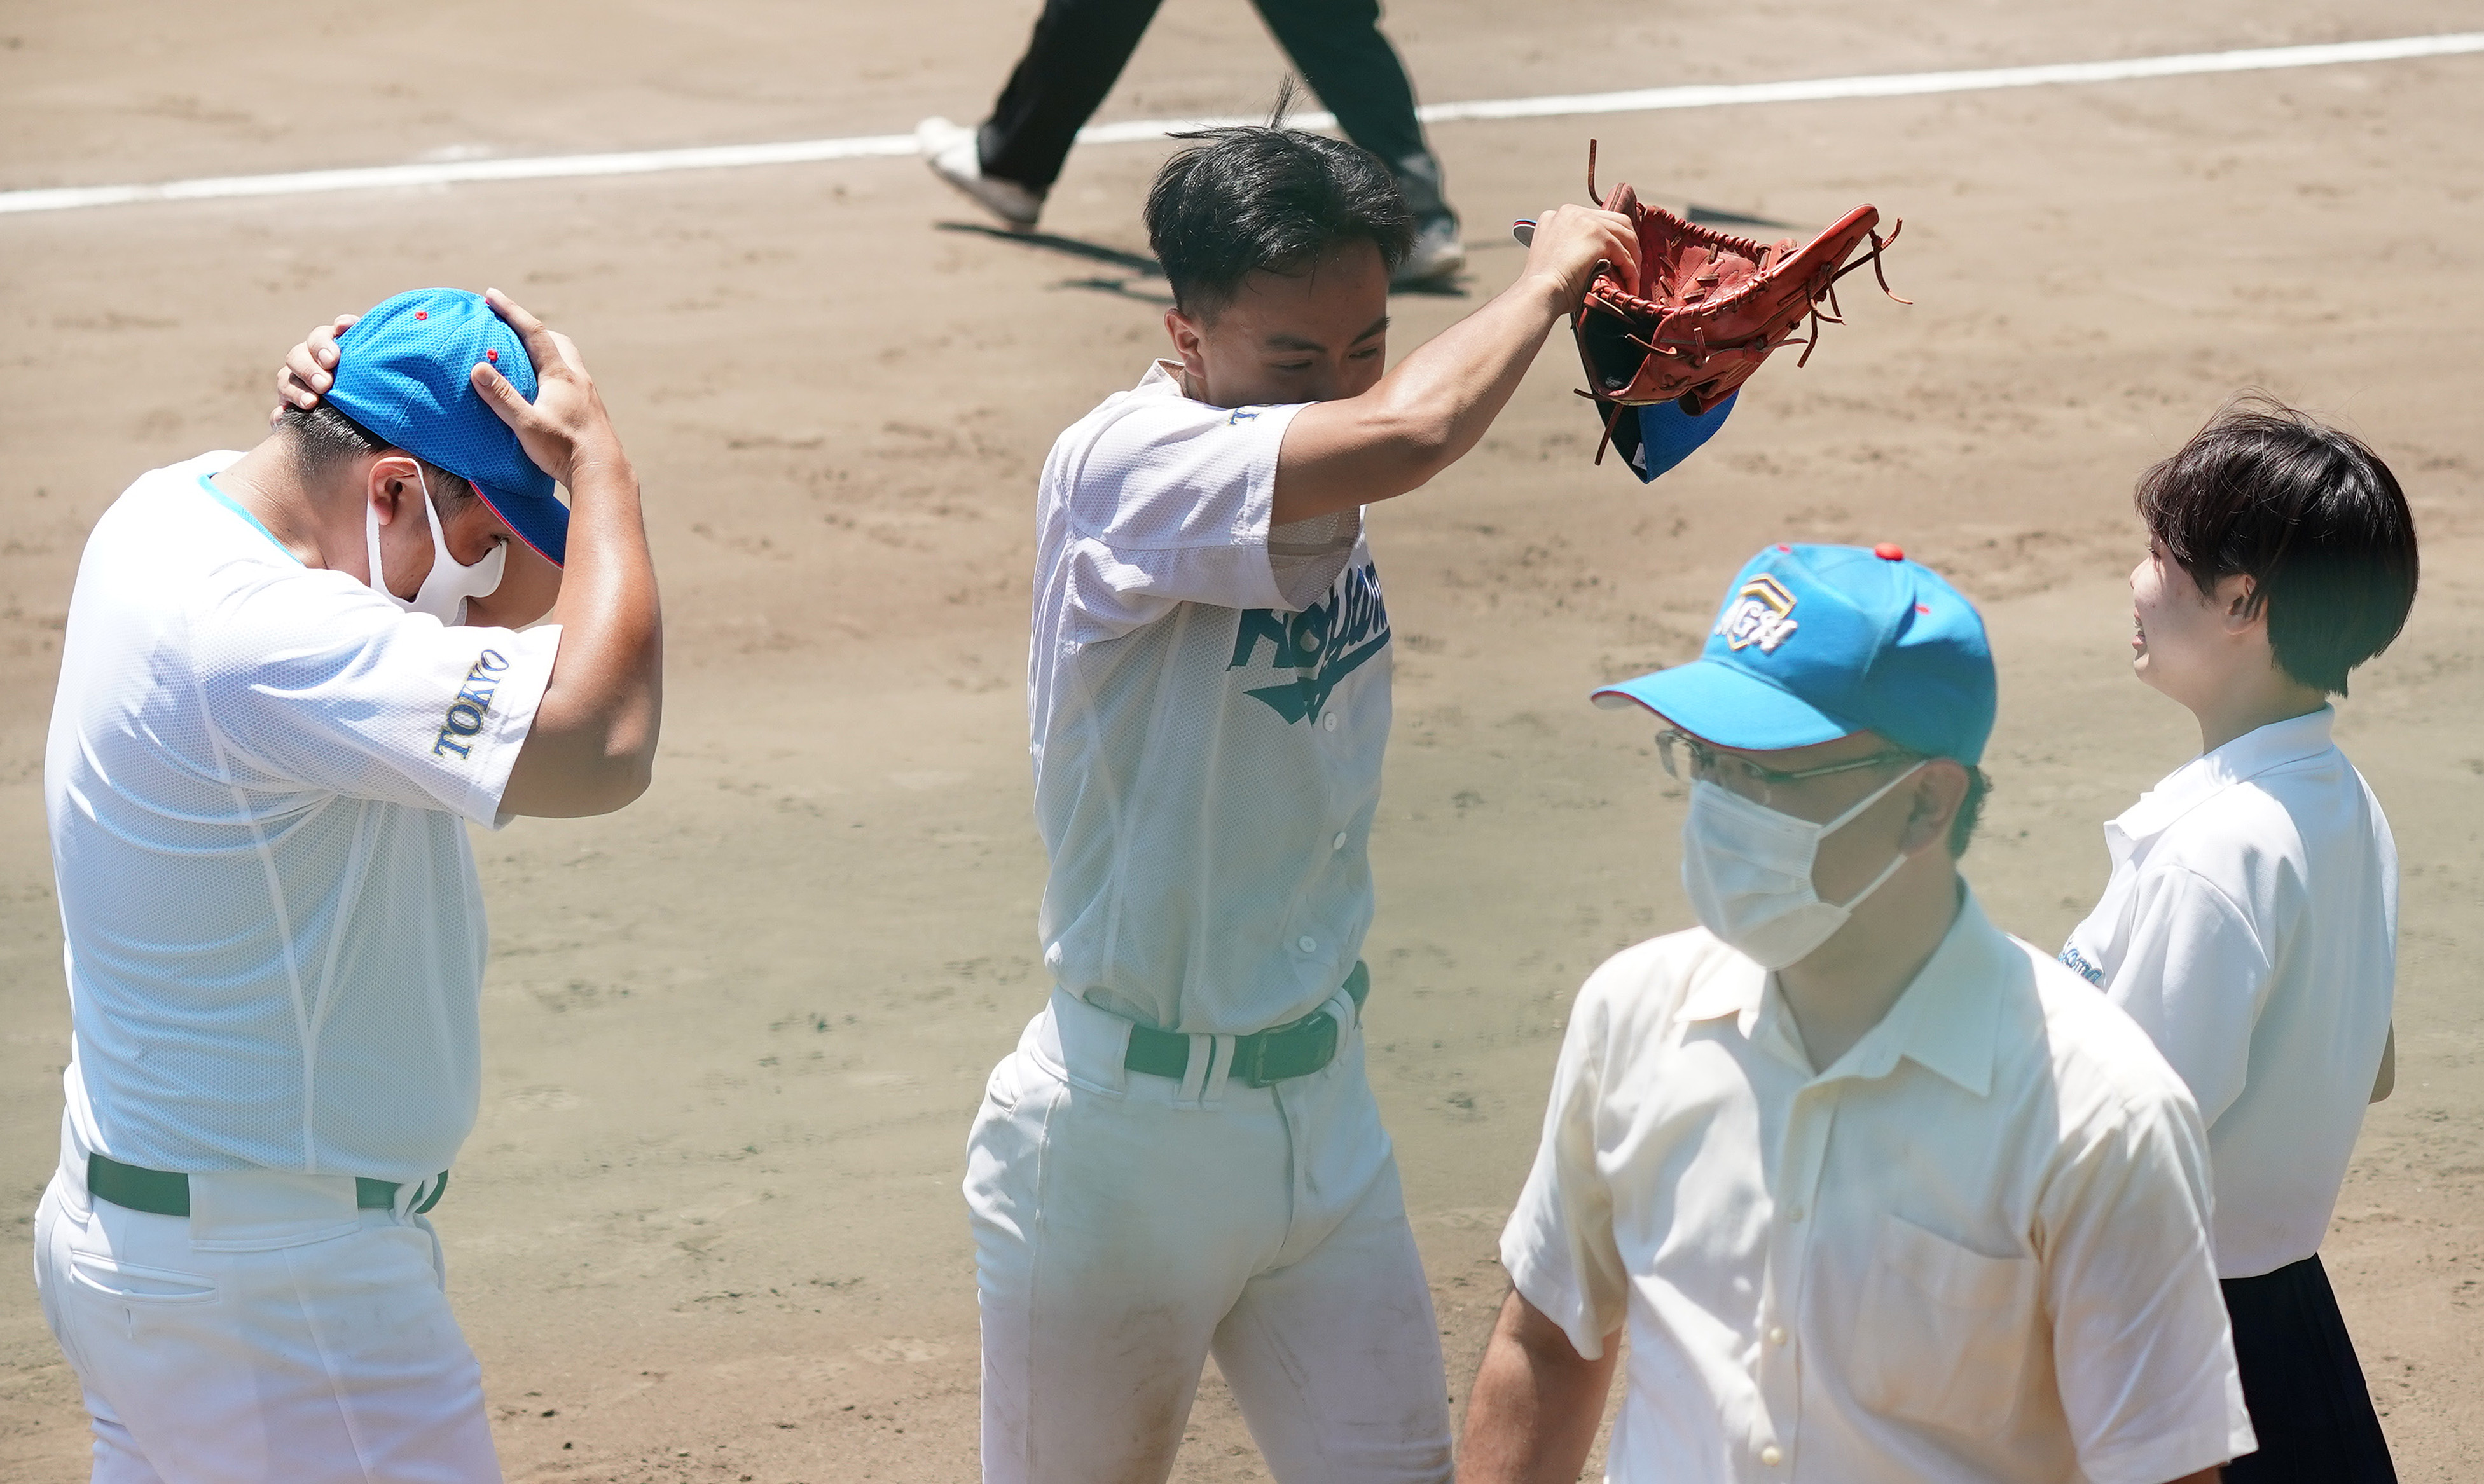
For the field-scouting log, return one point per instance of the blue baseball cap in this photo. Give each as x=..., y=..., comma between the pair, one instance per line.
x=1819, y=642
x=401, y=372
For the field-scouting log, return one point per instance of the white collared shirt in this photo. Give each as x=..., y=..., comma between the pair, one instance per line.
x=1208, y=703
x=258, y=779
x=1972, y=1250
x=2250, y=928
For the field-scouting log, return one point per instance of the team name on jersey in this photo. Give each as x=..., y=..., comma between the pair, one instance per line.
x=2077, y=963
x=1323, y=643
x=474, y=703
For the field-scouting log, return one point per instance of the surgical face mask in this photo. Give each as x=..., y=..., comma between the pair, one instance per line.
x=448, y=583
x=1747, y=869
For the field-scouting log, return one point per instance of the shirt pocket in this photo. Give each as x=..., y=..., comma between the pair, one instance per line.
x=1943, y=1331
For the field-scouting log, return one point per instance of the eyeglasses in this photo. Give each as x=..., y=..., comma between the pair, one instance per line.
x=1747, y=778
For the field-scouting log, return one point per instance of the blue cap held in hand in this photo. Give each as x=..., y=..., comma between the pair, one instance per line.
x=402, y=372
x=1819, y=642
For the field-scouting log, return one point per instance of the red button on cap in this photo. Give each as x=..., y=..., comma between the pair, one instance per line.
x=492, y=355
x=1782, y=547
x=423, y=313
x=1889, y=550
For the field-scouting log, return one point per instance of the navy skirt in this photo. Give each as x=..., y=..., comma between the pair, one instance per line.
x=2308, y=1403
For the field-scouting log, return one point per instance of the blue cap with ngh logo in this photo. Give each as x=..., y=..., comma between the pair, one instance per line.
x=1819, y=642
x=401, y=372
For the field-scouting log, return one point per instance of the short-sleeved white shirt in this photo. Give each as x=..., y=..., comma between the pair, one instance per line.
x=257, y=782
x=1208, y=701
x=1972, y=1250
x=2250, y=928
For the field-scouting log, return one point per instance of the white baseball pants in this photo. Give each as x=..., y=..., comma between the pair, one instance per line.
x=277, y=1332
x=1127, y=1226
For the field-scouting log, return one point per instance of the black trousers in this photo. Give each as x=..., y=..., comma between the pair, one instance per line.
x=1080, y=47
x=2308, y=1403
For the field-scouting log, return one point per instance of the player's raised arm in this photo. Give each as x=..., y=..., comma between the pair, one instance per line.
x=1435, y=405
x=592, y=747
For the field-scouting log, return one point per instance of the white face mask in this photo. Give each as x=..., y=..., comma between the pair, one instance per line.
x=448, y=583
x=1747, y=867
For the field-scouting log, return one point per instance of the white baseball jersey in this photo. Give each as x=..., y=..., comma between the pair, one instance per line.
x=2251, y=926
x=257, y=781
x=1971, y=1251
x=1210, y=704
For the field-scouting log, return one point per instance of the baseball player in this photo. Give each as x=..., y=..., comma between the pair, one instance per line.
x=1079, y=46
x=290, y=678
x=1184, y=1156
x=1881, y=1194
x=2250, y=920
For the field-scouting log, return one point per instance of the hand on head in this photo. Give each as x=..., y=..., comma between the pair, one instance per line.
x=304, y=377
x=566, y=422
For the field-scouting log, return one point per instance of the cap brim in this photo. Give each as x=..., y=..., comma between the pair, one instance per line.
x=540, y=521
x=1729, y=707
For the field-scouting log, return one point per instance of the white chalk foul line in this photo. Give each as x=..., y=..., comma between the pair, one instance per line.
x=809, y=151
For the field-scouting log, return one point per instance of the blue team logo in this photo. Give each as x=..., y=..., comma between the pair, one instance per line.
x=1323, y=643
x=2077, y=963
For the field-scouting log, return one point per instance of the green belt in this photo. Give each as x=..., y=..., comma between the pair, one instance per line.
x=162, y=1194
x=1295, y=1049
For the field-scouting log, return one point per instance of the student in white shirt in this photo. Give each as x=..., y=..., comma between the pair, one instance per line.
x=291, y=677
x=1880, y=1195
x=2250, y=920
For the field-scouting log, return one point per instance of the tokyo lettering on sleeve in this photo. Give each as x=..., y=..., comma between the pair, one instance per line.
x=259, y=780
x=1209, y=706
x=2250, y=928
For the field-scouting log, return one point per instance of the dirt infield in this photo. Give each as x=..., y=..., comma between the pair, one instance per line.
x=708, y=1228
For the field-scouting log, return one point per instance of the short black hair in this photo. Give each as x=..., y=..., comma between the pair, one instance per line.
x=2310, y=514
x=1263, y=198
x=324, y=437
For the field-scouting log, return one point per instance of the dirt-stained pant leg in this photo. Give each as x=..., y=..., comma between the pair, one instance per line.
x=1112, y=1231
x=1124, y=1223
x=1335, y=1358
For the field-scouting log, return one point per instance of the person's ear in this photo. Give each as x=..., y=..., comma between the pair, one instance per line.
x=393, y=481
x=1190, y=348
x=2234, y=605
x=1936, y=792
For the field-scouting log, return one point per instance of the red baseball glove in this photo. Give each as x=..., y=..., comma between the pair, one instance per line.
x=1711, y=307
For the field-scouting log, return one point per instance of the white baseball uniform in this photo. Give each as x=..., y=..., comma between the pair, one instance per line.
x=257, y=781
x=1209, y=706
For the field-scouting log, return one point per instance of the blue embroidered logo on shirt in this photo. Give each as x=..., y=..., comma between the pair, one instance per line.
x=2077, y=963
x=1326, y=642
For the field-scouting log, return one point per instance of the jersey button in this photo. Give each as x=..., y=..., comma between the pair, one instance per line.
x=1306, y=943
x=1329, y=722
x=1776, y=1335
x=1772, y=1455
x=1338, y=844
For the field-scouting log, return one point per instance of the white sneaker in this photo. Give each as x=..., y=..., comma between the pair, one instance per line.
x=951, y=152
x=1437, y=255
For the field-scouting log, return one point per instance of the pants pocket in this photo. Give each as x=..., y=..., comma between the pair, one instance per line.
x=1943, y=1330
x=129, y=1283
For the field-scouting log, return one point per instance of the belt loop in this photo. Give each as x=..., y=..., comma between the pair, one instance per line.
x=1197, y=1069
x=1212, y=1095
